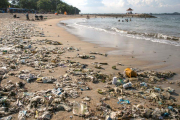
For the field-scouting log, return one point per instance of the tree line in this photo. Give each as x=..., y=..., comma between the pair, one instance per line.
x=42, y=5
x=4, y=3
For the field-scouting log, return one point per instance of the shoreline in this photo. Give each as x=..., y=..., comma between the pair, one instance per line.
x=143, y=64
x=161, y=63
x=55, y=33
x=126, y=59
x=96, y=46
x=129, y=62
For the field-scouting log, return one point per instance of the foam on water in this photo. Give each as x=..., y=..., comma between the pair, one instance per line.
x=163, y=29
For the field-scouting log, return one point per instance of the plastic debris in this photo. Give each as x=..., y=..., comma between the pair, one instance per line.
x=122, y=101
x=114, y=81
x=80, y=109
x=129, y=72
x=127, y=85
x=22, y=115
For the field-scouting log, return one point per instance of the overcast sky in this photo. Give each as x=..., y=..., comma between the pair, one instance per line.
x=120, y=6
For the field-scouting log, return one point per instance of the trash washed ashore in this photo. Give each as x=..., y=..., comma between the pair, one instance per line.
x=128, y=88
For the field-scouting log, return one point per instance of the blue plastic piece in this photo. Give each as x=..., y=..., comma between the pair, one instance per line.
x=123, y=101
x=157, y=89
x=170, y=107
x=166, y=114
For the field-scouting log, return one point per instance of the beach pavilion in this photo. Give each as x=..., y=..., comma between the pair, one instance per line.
x=129, y=11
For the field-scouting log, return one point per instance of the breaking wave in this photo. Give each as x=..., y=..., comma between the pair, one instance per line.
x=154, y=37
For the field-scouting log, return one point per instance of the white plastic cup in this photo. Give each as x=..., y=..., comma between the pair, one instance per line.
x=114, y=81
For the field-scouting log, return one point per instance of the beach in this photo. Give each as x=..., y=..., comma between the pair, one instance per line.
x=55, y=32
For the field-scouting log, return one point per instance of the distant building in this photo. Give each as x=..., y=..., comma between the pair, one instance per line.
x=17, y=10
x=3, y=10
x=129, y=11
x=21, y=10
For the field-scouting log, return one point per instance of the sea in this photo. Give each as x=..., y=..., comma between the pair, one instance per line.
x=164, y=29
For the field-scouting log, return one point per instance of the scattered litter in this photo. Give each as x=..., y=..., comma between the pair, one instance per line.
x=18, y=50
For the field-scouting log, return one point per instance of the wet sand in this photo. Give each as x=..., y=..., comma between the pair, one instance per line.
x=85, y=47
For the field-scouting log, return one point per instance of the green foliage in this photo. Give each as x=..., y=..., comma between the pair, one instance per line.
x=42, y=11
x=64, y=7
x=46, y=6
x=29, y=4
x=16, y=6
x=4, y=3
x=61, y=8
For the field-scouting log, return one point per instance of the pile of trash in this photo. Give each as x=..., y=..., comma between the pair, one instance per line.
x=41, y=104
x=132, y=87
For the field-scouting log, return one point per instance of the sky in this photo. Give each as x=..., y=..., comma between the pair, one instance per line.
x=120, y=6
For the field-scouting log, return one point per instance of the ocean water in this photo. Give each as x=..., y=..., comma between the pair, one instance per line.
x=164, y=29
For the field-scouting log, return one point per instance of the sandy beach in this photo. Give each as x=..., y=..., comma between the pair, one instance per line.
x=52, y=31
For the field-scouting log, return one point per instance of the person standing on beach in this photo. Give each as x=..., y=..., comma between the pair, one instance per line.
x=27, y=16
x=1, y=78
x=87, y=17
x=8, y=11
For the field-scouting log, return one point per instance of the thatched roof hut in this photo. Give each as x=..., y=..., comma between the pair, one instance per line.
x=129, y=11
